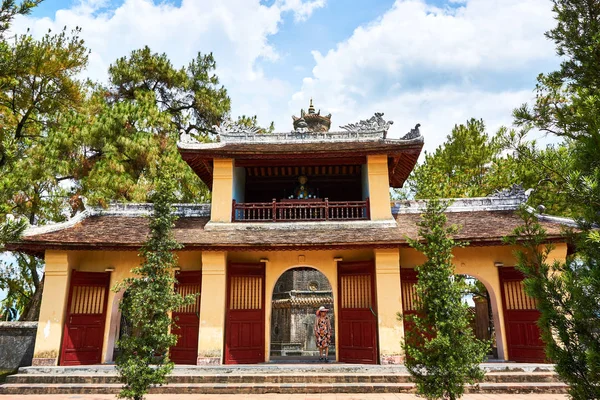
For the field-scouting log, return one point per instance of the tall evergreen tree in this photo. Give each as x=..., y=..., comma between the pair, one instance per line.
x=144, y=358
x=570, y=307
x=442, y=352
x=38, y=88
x=567, y=105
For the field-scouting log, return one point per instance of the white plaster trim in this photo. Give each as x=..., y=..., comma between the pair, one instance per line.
x=462, y=205
x=39, y=230
x=292, y=226
x=554, y=219
x=122, y=210
x=266, y=139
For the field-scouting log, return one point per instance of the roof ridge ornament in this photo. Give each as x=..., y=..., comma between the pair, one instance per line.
x=228, y=126
x=515, y=190
x=413, y=133
x=374, y=124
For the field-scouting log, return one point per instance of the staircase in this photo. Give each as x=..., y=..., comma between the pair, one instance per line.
x=273, y=378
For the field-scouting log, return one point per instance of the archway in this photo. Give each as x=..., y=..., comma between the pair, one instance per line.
x=482, y=298
x=297, y=294
x=480, y=304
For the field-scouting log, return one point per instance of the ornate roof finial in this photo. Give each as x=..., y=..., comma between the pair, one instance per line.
x=311, y=108
x=312, y=121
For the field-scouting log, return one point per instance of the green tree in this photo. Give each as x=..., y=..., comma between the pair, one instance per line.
x=442, y=352
x=8, y=10
x=472, y=163
x=567, y=298
x=460, y=166
x=125, y=125
x=144, y=358
x=567, y=105
x=38, y=87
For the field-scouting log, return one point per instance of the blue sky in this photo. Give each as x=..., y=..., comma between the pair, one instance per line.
x=436, y=62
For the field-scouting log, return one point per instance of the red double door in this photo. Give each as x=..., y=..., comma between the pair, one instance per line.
x=357, y=313
x=520, y=319
x=85, y=318
x=187, y=319
x=245, y=318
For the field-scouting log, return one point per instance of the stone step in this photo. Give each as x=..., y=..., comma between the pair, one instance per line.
x=497, y=377
x=282, y=369
x=261, y=388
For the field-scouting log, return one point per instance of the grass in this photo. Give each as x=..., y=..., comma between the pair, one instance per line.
x=6, y=372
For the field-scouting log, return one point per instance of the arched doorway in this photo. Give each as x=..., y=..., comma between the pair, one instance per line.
x=482, y=303
x=297, y=294
x=479, y=301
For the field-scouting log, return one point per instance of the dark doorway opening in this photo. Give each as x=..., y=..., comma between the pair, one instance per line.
x=297, y=295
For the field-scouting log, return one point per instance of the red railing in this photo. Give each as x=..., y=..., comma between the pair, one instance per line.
x=301, y=210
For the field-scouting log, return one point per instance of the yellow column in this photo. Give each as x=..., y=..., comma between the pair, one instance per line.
x=52, y=310
x=379, y=187
x=389, y=304
x=222, y=190
x=212, y=308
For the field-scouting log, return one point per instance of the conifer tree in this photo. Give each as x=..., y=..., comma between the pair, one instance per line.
x=144, y=359
x=568, y=300
x=567, y=105
x=442, y=352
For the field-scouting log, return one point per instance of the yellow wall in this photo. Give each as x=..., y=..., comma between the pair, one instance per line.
x=389, y=304
x=379, y=187
x=212, y=308
x=479, y=262
x=476, y=261
x=222, y=190
x=52, y=310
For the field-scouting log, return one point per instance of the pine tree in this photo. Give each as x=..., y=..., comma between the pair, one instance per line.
x=568, y=300
x=144, y=359
x=442, y=352
x=567, y=105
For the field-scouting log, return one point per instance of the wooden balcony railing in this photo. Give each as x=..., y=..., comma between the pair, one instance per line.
x=301, y=210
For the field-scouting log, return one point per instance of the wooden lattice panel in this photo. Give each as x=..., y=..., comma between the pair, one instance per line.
x=186, y=290
x=87, y=300
x=246, y=293
x=516, y=298
x=409, y=296
x=356, y=291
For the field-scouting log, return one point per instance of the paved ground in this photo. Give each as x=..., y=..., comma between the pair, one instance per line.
x=385, y=396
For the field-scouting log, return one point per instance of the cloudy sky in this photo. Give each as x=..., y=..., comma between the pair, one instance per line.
x=437, y=62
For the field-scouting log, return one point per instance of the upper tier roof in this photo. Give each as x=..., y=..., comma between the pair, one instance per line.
x=483, y=221
x=250, y=146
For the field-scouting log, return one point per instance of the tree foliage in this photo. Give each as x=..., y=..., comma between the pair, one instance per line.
x=38, y=88
x=567, y=105
x=442, y=352
x=568, y=297
x=473, y=163
x=8, y=10
x=144, y=358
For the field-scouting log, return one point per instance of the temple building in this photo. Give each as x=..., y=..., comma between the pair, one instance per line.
x=312, y=201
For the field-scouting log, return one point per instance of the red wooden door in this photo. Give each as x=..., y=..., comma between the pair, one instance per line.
x=86, y=314
x=357, y=312
x=187, y=319
x=245, y=320
x=520, y=319
x=408, y=280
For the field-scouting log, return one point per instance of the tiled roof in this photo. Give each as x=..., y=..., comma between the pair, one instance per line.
x=113, y=230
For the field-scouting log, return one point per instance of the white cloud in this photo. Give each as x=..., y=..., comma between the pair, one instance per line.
x=302, y=9
x=236, y=31
x=436, y=66
x=416, y=62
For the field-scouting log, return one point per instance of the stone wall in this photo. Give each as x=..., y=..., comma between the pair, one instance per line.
x=17, y=340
